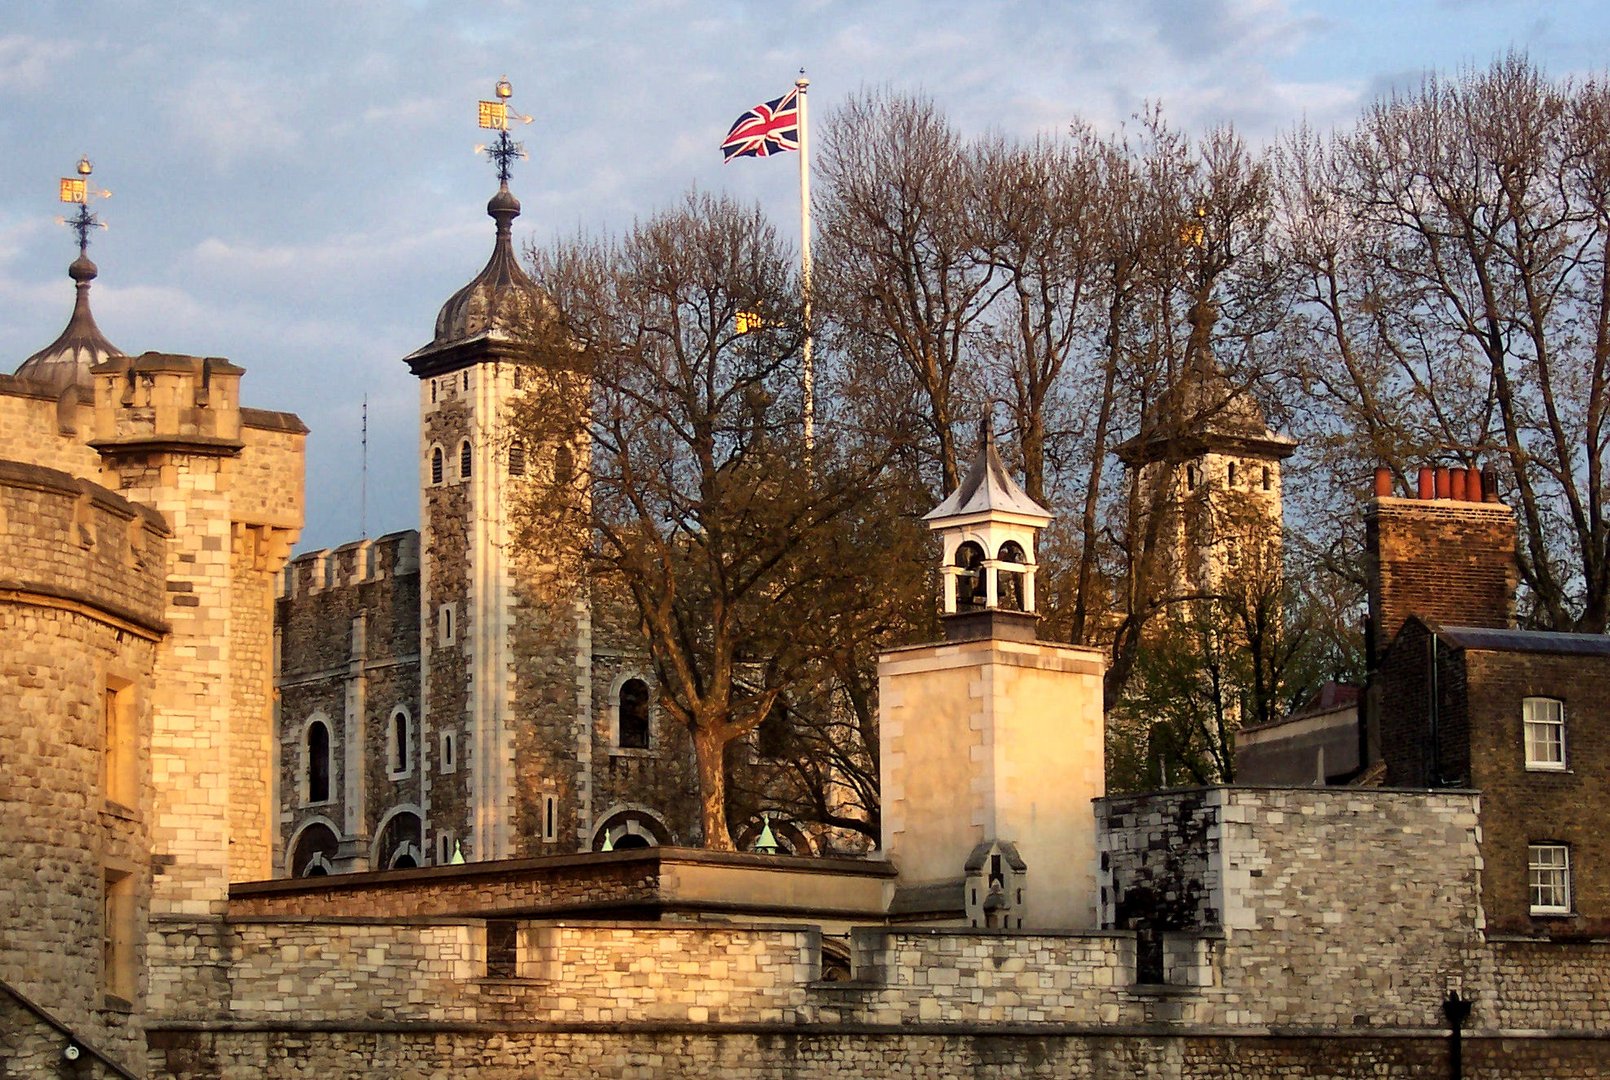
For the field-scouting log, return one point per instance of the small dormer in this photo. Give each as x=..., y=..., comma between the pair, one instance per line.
x=989, y=527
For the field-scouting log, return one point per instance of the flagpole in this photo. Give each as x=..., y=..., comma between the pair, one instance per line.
x=803, y=84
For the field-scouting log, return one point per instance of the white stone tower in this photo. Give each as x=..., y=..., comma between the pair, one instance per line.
x=492, y=695
x=1210, y=466
x=992, y=741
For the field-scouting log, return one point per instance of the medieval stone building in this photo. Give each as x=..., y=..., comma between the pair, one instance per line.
x=1016, y=921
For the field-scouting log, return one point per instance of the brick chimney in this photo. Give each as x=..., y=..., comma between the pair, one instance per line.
x=1447, y=555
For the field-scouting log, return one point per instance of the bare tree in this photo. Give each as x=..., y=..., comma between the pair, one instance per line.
x=699, y=498
x=901, y=274
x=1452, y=253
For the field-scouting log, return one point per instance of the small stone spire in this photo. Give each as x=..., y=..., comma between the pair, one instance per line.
x=67, y=361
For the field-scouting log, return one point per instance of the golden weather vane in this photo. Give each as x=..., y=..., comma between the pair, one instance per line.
x=496, y=116
x=77, y=189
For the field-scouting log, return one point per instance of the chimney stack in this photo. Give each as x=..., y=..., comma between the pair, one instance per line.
x=1447, y=555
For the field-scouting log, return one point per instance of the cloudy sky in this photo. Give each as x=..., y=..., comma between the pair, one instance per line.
x=295, y=186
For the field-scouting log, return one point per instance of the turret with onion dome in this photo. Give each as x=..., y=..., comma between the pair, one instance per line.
x=66, y=362
x=502, y=302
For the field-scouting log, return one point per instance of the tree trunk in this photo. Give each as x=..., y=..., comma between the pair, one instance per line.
x=709, y=750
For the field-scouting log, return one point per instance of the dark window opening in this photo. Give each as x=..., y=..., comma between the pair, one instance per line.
x=436, y=465
x=1009, y=585
x=971, y=589
x=1149, y=957
x=772, y=736
x=1232, y=474
x=502, y=949
x=318, y=762
x=564, y=466
x=399, y=736
x=632, y=842
x=633, y=715
x=464, y=459
x=1266, y=481
x=517, y=459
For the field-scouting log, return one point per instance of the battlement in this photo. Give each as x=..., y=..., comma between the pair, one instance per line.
x=162, y=401
x=356, y=563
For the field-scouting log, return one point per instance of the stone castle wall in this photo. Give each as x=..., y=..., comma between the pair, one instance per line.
x=81, y=612
x=324, y=597
x=1317, y=934
x=39, y=428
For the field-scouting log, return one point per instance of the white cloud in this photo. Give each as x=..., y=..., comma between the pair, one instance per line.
x=29, y=63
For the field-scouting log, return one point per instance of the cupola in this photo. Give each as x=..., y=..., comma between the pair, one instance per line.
x=989, y=526
x=66, y=362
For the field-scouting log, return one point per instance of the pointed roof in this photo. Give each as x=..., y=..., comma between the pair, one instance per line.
x=497, y=304
x=1203, y=410
x=987, y=490
x=67, y=360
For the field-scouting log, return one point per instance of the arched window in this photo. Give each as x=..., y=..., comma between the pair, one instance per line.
x=401, y=844
x=1009, y=584
x=448, y=758
x=398, y=757
x=632, y=715
x=315, y=848
x=436, y=465
x=318, y=762
x=517, y=459
x=971, y=588
x=464, y=460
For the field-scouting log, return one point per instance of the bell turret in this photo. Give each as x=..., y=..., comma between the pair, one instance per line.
x=989, y=526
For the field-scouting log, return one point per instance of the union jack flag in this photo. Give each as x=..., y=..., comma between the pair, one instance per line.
x=768, y=129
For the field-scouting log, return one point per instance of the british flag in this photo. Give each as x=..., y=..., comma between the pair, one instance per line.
x=772, y=128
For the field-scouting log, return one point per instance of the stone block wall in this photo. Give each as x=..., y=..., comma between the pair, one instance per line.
x=81, y=613
x=38, y=428
x=323, y=595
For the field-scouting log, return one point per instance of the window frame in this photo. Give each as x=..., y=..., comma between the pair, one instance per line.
x=399, y=744
x=1535, y=866
x=1529, y=722
x=310, y=759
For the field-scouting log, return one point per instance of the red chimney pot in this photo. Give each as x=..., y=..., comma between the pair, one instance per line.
x=1442, y=481
x=1456, y=485
x=1425, y=491
x=1383, y=482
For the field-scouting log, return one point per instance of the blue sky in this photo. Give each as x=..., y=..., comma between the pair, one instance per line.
x=295, y=186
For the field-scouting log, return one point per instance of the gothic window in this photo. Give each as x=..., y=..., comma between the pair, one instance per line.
x=400, y=846
x=399, y=760
x=448, y=758
x=436, y=465
x=318, y=762
x=1544, y=721
x=464, y=460
x=971, y=588
x=632, y=715
x=1548, y=868
x=444, y=847
x=517, y=459
x=1009, y=583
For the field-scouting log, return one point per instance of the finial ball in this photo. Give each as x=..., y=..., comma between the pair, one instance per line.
x=84, y=166
x=504, y=90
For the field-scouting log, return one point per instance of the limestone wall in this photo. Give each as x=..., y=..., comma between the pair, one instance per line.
x=81, y=574
x=37, y=428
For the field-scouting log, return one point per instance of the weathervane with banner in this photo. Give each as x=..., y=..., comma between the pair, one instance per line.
x=496, y=116
x=77, y=189
x=775, y=127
